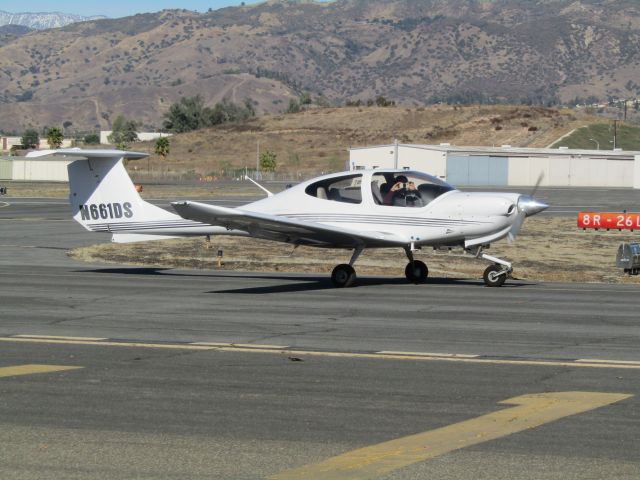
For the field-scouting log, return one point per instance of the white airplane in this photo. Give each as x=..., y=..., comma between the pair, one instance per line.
x=380, y=208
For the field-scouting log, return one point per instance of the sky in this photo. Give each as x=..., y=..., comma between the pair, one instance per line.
x=113, y=8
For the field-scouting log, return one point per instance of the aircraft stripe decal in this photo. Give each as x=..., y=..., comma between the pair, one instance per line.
x=311, y=218
x=124, y=226
x=162, y=223
x=385, y=219
x=338, y=215
x=393, y=222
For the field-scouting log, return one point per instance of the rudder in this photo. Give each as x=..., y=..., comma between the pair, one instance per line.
x=102, y=196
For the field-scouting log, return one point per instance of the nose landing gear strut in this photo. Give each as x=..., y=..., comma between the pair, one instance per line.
x=494, y=275
x=416, y=271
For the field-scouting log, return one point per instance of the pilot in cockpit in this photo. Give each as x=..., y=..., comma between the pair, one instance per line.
x=403, y=193
x=398, y=183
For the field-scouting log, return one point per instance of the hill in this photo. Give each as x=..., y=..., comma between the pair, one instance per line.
x=538, y=51
x=318, y=140
x=600, y=136
x=8, y=33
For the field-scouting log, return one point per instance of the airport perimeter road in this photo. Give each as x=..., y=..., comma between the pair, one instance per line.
x=121, y=372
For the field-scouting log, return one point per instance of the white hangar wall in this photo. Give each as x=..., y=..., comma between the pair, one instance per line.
x=574, y=172
x=560, y=167
x=525, y=170
x=43, y=170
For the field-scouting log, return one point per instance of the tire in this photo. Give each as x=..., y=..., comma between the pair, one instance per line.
x=416, y=272
x=343, y=276
x=493, y=276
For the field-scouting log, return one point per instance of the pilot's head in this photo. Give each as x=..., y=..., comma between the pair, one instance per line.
x=401, y=179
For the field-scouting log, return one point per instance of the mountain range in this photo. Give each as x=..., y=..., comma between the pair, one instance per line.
x=41, y=21
x=412, y=52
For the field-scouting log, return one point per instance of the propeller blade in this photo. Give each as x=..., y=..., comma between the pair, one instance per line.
x=516, y=226
x=527, y=205
x=538, y=182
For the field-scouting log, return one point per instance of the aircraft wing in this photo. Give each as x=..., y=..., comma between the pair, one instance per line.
x=285, y=229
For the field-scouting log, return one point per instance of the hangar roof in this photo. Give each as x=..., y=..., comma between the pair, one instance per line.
x=509, y=151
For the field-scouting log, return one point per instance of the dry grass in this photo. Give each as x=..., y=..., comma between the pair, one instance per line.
x=548, y=249
x=218, y=189
x=36, y=189
x=318, y=140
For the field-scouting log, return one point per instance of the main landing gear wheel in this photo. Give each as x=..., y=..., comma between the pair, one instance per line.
x=416, y=271
x=494, y=276
x=343, y=275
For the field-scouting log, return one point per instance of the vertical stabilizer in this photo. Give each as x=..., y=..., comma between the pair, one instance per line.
x=104, y=199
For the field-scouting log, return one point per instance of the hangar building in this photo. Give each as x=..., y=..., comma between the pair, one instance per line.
x=34, y=168
x=506, y=165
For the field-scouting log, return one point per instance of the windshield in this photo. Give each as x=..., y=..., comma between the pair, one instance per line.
x=406, y=188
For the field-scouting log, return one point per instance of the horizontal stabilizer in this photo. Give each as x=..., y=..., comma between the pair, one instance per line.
x=88, y=154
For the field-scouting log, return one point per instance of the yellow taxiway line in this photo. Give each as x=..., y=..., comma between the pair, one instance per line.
x=241, y=345
x=282, y=350
x=61, y=337
x=530, y=411
x=31, y=369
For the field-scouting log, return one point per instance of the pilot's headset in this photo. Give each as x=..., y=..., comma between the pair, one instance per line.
x=402, y=179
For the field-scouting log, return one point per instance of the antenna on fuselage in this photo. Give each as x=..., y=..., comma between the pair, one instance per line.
x=269, y=194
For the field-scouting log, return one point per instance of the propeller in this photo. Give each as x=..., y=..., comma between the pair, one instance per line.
x=527, y=206
x=516, y=225
x=538, y=182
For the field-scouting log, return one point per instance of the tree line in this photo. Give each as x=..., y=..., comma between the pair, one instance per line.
x=124, y=132
x=191, y=113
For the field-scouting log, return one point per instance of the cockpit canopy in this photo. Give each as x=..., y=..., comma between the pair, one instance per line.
x=346, y=188
x=399, y=188
x=406, y=188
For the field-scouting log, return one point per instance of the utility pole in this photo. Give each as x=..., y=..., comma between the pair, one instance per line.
x=615, y=134
x=395, y=153
x=258, y=160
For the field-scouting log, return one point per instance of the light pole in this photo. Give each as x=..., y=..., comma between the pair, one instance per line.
x=597, y=143
x=257, y=175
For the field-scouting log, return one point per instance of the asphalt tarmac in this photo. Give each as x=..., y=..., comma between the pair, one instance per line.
x=122, y=372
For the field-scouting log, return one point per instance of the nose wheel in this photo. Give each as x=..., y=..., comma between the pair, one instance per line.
x=343, y=276
x=495, y=276
x=416, y=272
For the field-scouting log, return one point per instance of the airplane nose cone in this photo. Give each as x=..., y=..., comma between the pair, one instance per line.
x=530, y=206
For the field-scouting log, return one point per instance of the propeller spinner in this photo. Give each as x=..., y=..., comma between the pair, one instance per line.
x=527, y=206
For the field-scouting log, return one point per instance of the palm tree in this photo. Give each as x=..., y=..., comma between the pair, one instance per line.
x=162, y=147
x=54, y=137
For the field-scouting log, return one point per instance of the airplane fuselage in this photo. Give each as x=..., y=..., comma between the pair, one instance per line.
x=449, y=219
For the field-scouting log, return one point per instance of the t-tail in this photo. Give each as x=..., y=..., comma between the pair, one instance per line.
x=104, y=199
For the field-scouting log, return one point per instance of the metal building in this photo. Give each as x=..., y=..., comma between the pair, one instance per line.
x=34, y=168
x=5, y=168
x=506, y=165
